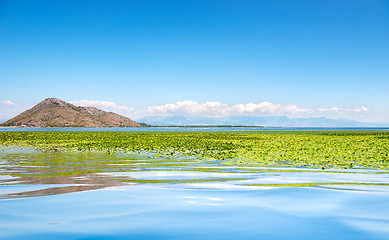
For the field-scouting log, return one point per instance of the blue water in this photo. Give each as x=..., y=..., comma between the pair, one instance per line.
x=11, y=129
x=189, y=200
x=138, y=212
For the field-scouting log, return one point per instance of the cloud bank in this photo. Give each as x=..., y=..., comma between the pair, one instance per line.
x=344, y=110
x=218, y=109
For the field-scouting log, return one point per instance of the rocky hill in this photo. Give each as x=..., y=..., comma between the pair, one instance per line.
x=53, y=112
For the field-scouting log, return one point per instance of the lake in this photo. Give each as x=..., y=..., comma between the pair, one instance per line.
x=70, y=195
x=180, y=129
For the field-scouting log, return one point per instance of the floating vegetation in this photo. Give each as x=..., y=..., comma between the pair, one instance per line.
x=313, y=149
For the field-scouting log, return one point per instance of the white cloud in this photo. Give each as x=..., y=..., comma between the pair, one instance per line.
x=333, y=109
x=104, y=105
x=344, y=110
x=217, y=109
x=7, y=102
x=361, y=109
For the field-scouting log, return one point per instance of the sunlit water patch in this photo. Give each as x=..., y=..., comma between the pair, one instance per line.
x=63, y=195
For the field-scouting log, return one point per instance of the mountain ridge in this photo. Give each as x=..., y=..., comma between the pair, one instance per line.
x=266, y=121
x=53, y=112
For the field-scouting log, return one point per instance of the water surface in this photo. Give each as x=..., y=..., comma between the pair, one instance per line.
x=101, y=196
x=181, y=129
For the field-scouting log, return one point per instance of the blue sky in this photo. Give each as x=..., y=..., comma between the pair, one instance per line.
x=209, y=58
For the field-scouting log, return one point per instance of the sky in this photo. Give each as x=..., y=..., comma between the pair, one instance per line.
x=200, y=58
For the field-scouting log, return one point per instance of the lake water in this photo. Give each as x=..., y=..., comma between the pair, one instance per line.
x=100, y=196
x=169, y=129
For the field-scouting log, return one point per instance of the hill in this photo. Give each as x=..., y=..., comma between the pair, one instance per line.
x=53, y=112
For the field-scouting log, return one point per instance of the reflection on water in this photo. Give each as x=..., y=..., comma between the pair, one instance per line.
x=59, y=173
x=100, y=196
x=88, y=171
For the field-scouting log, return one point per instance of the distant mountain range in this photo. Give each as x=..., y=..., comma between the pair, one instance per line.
x=53, y=112
x=266, y=121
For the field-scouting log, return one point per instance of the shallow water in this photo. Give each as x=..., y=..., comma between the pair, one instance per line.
x=101, y=196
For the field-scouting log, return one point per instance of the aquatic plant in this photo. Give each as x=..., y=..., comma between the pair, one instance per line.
x=316, y=149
